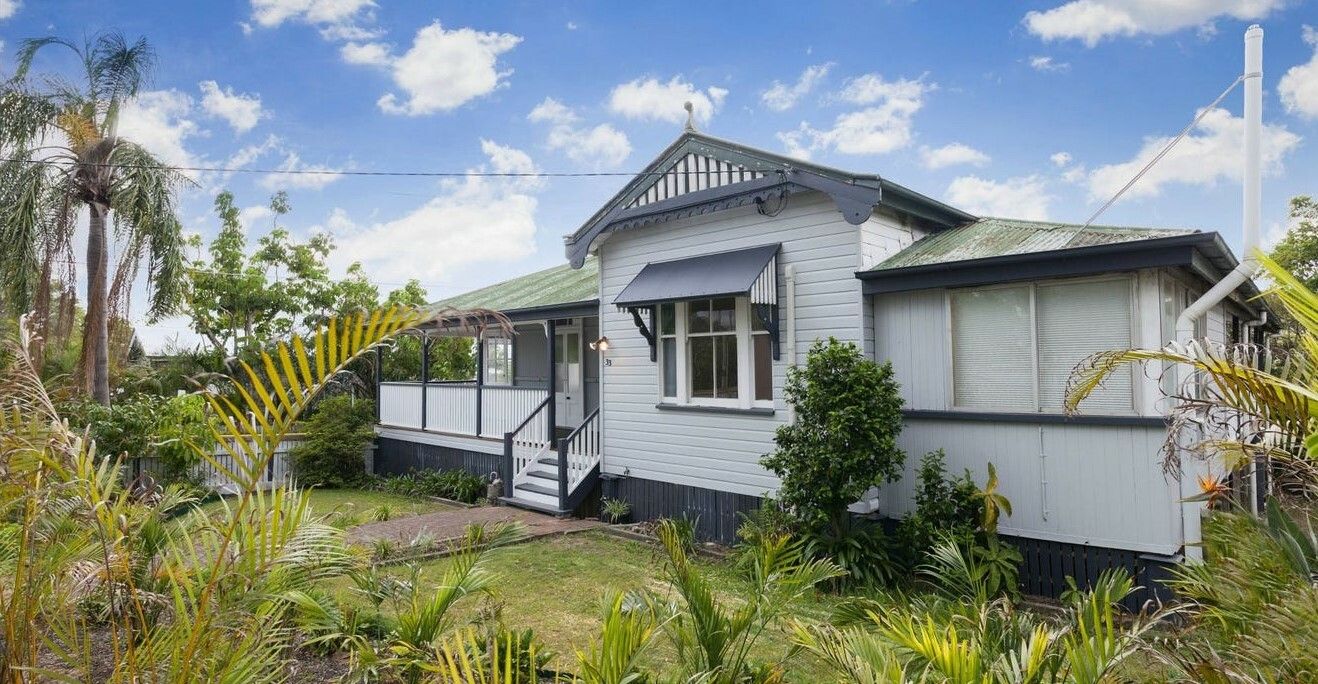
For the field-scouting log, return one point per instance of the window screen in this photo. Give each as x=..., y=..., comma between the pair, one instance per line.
x=992, y=349
x=1076, y=320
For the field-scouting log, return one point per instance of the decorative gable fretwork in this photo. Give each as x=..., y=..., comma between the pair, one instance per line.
x=691, y=173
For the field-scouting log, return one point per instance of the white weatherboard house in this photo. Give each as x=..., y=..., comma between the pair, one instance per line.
x=651, y=366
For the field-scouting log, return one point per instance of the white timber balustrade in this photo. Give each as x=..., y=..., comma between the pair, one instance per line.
x=451, y=407
x=400, y=404
x=527, y=443
x=581, y=450
x=503, y=408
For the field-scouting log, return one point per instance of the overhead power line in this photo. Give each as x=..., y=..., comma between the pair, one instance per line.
x=346, y=172
x=1167, y=148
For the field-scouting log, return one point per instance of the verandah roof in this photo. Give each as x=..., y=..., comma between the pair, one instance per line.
x=557, y=286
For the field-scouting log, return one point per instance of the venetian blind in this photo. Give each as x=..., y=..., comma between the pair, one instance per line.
x=992, y=349
x=1075, y=320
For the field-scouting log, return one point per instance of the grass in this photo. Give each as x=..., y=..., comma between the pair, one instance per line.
x=359, y=502
x=554, y=585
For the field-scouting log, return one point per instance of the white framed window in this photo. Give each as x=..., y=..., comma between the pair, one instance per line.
x=713, y=352
x=1014, y=346
x=498, y=361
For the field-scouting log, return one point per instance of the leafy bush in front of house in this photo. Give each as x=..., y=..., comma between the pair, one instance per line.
x=843, y=442
x=165, y=432
x=844, y=439
x=332, y=453
x=956, y=513
x=456, y=484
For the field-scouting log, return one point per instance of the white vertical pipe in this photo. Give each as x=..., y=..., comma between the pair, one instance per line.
x=790, y=286
x=1251, y=216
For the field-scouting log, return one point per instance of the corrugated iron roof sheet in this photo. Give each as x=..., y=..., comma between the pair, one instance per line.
x=550, y=287
x=994, y=237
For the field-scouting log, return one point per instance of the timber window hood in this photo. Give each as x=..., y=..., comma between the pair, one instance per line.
x=750, y=273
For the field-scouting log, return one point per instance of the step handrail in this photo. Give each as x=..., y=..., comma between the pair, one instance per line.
x=510, y=436
x=564, y=449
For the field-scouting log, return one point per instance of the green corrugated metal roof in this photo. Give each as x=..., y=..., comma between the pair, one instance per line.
x=550, y=287
x=994, y=237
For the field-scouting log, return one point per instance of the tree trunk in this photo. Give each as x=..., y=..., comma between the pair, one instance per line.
x=96, y=325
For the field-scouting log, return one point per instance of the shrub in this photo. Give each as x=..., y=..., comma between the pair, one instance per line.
x=166, y=430
x=844, y=440
x=458, y=485
x=616, y=510
x=944, y=508
x=332, y=453
x=859, y=547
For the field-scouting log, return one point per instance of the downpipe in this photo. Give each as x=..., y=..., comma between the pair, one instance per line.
x=1192, y=512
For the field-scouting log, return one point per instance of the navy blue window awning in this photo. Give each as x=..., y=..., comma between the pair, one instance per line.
x=744, y=272
x=751, y=273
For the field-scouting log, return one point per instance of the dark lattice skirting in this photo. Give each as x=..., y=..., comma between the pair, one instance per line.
x=1044, y=572
x=398, y=457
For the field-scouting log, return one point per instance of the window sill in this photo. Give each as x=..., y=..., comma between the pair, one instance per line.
x=697, y=408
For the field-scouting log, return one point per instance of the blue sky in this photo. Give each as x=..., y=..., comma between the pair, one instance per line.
x=1034, y=109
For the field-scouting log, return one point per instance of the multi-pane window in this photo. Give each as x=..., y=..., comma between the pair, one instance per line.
x=714, y=351
x=498, y=361
x=1014, y=347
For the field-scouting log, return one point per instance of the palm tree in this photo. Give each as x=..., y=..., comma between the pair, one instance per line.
x=61, y=155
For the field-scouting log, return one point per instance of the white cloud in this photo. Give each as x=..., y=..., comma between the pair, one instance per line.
x=1025, y=197
x=249, y=216
x=1091, y=21
x=8, y=8
x=1209, y=154
x=600, y=147
x=1046, y=63
x=240, y=110
x=952, y=154
x=572, y=26
x=470, y=223
x=373, y=54
x=650, y=99
x=443, y=69
x=313, y=176
x=161, y=121
x=795, y=144
x=272, y=13
x=552, y=111
x=1060, y=159
x=1298, y=88
x=781, y=97
x=884, y=127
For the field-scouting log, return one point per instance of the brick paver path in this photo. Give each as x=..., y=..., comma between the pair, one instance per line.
x=449, y=524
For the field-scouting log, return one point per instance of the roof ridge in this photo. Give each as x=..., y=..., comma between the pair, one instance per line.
x=1101, y=226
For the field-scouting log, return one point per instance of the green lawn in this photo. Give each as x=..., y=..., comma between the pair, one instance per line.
x=358, y=502
x=553, y=585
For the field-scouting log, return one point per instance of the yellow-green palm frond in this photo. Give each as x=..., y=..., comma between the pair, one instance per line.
x=272, y=394
x=854, y=654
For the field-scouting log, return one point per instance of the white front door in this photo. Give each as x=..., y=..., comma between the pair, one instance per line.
x=568, y=394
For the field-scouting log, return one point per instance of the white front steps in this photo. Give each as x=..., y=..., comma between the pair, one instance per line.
x=539, y=484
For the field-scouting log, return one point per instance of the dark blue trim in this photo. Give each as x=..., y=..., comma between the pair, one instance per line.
x=1034, y=418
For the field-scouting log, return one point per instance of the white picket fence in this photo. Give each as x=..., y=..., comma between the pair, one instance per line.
x=276, y=473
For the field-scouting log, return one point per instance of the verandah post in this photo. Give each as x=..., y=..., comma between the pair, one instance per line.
x=551, y=411
x=480, y=377
x=379, y=371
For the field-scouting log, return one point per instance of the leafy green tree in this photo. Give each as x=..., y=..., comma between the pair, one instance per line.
x=63, y=157
x=844, y=440
x=451, y=358
x=333, y=451
x=242, y=301
x=1298, y=250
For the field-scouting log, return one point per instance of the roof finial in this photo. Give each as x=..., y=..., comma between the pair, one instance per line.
x=690, y=115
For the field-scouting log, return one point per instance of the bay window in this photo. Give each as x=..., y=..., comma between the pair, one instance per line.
x=1014, y=346
x=714, y=352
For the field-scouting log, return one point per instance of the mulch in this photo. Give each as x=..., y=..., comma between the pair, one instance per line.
x=444, y=525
